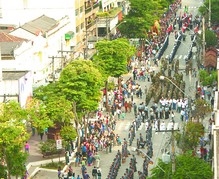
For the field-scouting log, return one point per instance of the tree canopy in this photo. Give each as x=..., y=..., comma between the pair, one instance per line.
x=210, y=38
x=81, y=83
x=187, y=167
x=188, y=140
x=142, y=16
x=204, y=10
x=13, y=137
x=208, y=78
x=112, y=57
x=38, y=115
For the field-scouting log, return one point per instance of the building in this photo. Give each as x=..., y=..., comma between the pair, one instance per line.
x=44, y=55
x=16, y=85
x=91, y=31
x=109, y=17
x=215, y=131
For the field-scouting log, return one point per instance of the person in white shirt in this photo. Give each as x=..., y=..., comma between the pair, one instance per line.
x=162, y=126
x=179, y=105
x=182, y=113
x=174, y=103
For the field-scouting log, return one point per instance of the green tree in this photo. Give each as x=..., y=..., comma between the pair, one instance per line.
x=68, y=133
x=59, y=110
x=38, y=115
x=142, y=16
x=204, y=10
x=13, y=136
x=187, y=167
x=17, y=162
x=113, y=56
x=81, y=82
x=112, y=59
x=43, y=93
x=210, y=38
x=188, y=140
x=202, y=108
x=208, y=78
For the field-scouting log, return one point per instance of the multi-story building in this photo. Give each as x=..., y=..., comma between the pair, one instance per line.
x=91, y=9
x=108, y=17
x=215, y=131
x=79, y=36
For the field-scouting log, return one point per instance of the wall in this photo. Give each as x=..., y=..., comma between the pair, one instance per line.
x=25, y=89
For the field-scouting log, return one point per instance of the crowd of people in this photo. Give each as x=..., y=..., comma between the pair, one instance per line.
x=101, y=134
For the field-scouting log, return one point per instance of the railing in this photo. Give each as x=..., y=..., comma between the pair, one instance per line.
x=90, y=25
x=96, y=5
x=88, y=10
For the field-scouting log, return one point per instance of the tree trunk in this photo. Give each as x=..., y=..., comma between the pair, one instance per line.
x=106, y=93
x=74, y=107
x=86, y=123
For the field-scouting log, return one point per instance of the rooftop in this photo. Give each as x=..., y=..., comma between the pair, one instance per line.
x=9, y=42
x=41, y=24
x=13, y=75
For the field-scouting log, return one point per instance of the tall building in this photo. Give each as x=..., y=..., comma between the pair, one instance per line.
x=80, y=27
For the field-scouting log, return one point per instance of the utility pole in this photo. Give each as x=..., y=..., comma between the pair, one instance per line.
x=63, y=58
x=53, y=68
x=107, y=28
x=173, y=151
x=97, y=29
x=209, y=15
x=173, y=158
x=203, y=42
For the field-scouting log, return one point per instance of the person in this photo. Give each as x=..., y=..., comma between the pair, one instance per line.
x=65, y=174
x=78, y=177
x=172, y=116
x=41, y=135
x=27, y=147
x=59, y=172
x=94, y=172
x=26, y=175
x=98, y=173
x=86, y=175
x=70, y=172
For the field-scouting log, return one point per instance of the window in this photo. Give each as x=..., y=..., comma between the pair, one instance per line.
x=81, y=9
x=82, y=25
x=77, y=29
x=76, y=12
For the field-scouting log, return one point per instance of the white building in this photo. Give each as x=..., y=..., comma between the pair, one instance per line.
x=45, y=38
x=16, y=85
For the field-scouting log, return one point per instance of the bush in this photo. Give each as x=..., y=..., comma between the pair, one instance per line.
x=49, y=147
x=53, y=165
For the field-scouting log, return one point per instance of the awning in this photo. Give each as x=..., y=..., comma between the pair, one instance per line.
x=69, y=35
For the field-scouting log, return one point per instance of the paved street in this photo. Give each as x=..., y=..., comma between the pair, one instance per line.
x=159, y=139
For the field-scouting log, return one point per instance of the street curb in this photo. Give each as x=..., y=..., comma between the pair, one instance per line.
x=38, y=163
x=34, y=172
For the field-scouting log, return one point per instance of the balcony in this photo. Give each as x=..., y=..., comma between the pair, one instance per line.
x=91, y=7
x=88, y=9
x=89, y=25
x=96, y=5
